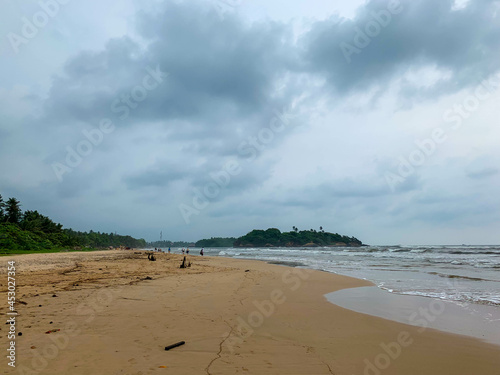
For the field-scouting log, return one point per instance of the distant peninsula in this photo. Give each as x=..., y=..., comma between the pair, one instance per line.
x=273, y=237
x=216, y=242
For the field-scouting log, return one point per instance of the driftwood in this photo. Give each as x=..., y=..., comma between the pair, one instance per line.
x=175, y=345
x=184, y=264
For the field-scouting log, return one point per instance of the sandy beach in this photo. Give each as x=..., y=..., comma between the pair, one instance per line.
x=113, y=312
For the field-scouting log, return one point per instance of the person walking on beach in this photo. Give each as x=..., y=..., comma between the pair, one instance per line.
x=187, y=250
x=201, y=252
x=183, y=251
x=169, y=249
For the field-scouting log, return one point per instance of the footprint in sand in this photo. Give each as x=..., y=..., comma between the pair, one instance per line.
x=132, y=361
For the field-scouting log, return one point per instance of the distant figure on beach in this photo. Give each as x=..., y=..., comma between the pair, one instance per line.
x=201, y=252
x=169, y=250
x=155, y=248
x=183, y=251
x=187, y=250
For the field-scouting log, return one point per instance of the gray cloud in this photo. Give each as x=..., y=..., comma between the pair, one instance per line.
x=424, y=33
x=483, y=173
x=226, y=78
x=160, y=176
x=217, y=72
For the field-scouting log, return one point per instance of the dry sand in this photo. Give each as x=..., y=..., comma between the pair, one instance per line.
x=236, y=316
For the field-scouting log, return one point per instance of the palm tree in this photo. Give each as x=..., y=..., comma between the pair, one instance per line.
x=2, y=205
x=13, y=210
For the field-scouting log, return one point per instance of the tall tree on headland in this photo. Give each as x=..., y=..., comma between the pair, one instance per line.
x=2, y=205
x=13, y=211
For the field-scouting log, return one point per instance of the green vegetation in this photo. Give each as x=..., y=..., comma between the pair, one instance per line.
x=295, y=238
x=102, y=240
x=270, y=237
x=216, y=242
x=32, y=232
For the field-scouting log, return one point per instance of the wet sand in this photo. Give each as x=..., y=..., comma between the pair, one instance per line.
x=480, y=321
x=116, y=312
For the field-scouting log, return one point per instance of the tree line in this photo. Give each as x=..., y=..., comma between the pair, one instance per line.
x=33, y=231
x=216, y=242
x=294, y=238
x=274, y=237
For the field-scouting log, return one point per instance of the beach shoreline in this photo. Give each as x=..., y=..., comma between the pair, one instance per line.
x=116, y=311
x=473, y=320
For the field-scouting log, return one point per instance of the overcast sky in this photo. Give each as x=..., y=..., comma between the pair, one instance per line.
x=374, y=119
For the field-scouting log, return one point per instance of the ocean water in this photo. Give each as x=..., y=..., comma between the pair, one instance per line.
x=459, y=286
x=465, y=275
